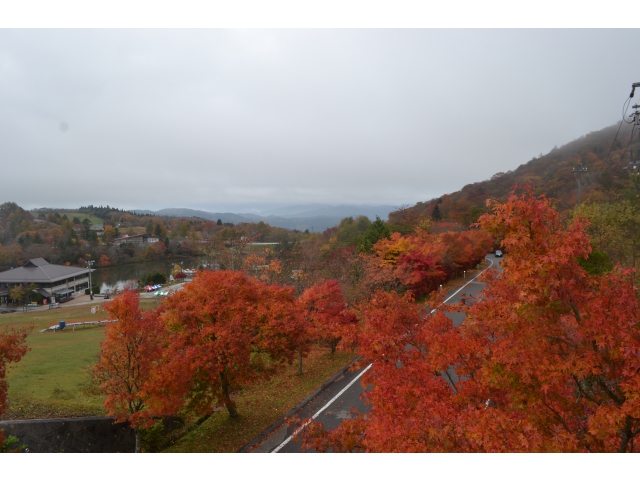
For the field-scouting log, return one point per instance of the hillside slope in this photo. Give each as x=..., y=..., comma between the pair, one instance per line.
x=551, y=174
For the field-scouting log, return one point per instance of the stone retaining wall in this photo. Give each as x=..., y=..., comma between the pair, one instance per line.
x=72, y=435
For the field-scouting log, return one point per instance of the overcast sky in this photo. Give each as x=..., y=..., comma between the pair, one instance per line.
x=244, y=119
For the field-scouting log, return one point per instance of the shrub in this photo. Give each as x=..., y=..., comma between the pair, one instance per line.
x=153, y=278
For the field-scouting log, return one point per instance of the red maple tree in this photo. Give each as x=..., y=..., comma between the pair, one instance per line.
x=12, y=349
x=226, y=330
x=327, y=312
x=419, y=272
x=548, y=361
x=129, y=353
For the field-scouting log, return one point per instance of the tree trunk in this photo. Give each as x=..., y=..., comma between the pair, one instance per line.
x=626, y=435
x=137, y=430
x=231, y=406
x=300, y=362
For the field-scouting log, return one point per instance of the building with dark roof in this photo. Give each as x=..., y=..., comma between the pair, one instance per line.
x=138, y=240
x=54, y=282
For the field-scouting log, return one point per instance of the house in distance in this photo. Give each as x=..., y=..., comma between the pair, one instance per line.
x=137, y=240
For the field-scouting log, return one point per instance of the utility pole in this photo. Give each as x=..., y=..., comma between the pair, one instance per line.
x=577, y=172
x=634, y=119
x=634, y=169
x=635, y=116
x=90, y=263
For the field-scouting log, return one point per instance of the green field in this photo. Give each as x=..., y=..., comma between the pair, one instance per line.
x=81, y=216
x=52, y=379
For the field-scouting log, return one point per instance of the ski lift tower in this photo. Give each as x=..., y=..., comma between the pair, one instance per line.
x=577, y=172
x=634, y=119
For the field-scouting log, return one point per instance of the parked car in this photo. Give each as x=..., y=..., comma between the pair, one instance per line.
x=499, y=253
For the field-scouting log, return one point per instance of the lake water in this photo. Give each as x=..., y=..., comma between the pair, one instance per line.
x=122, y=276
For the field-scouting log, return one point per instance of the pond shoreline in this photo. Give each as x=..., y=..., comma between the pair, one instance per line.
x=112, y=277
x=138, y=262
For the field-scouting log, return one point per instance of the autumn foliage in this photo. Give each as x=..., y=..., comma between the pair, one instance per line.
x=326, y=310
x=548, y=361
x=12, y=349
x=130, y=350
x=226, y=330
x=423, y=261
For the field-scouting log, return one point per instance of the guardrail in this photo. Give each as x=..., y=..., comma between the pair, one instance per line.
x=55, y=328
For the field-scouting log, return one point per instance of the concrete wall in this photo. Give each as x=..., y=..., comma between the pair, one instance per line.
x=72, y=435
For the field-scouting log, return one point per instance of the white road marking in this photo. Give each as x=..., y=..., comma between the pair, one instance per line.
x=277, y=449
x=473, y=279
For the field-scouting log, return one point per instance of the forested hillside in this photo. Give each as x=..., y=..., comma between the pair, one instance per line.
x=75, y=236
x=551, y=174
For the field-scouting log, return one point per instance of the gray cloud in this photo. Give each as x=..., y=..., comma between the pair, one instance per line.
x=215, y=118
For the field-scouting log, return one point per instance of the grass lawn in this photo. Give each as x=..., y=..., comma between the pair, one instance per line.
x=52, y=379
x=260, y=405
x=81, y=216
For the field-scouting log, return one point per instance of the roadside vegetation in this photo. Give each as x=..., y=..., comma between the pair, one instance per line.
x=260, y=405
x=549, y=359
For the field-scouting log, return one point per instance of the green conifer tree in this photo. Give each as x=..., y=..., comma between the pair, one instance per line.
x=377, y=230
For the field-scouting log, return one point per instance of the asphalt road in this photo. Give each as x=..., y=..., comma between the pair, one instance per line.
x=337, y=401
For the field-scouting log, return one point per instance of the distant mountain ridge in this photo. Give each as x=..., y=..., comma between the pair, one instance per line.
x=320, y=210
x=312, y=217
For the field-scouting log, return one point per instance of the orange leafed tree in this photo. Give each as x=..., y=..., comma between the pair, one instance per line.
x=422, y=261
x=12, y=349
x=274, y=270
x=369, y=275
x=325, y=308
x=419, y=272
x=466, y=249
x=252, y=264
x=548, y=361
x=129, y=353
x=221, y=324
